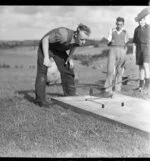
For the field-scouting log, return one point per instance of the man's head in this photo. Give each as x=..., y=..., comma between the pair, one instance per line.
x=142, y=22
x=119, y=23
x=81, y=35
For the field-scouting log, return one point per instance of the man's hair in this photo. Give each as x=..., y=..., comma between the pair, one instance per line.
x=120, y=19
x=84, y=28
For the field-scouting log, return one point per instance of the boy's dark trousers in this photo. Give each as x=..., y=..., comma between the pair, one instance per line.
x=67, y=75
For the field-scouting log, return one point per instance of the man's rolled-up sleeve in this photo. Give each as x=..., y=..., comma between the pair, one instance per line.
x=59, y=35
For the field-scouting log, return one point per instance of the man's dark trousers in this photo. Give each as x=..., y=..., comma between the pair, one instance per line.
x=67, y=75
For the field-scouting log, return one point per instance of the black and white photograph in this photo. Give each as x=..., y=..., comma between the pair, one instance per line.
x=74, y=81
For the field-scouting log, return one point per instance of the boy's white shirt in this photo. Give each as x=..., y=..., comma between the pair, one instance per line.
x=118, y=32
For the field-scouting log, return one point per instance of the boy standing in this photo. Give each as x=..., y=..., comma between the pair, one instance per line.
x=117, y=41
x=141, y=48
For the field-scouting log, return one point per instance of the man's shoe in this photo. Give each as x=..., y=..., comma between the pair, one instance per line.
x=42, y=104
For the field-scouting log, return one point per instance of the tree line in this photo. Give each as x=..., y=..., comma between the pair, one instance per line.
x=34, y=43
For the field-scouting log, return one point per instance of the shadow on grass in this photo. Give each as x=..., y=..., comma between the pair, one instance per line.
x=55, y=94
x=27, y=95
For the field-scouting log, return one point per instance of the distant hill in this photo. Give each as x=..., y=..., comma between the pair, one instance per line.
x=96, y=43
x=25, y=43
x=17, y=43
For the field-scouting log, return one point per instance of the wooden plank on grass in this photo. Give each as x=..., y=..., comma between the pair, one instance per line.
x=133, y=112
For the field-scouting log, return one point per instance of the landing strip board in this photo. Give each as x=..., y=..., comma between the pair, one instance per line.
x=134, y=112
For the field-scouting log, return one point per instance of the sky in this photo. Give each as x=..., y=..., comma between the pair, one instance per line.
x=33, y=22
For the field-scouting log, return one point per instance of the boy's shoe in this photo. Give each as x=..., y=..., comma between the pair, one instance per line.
x=146, y=90
x=139, y=89
x=106, y=94
x=141, y=86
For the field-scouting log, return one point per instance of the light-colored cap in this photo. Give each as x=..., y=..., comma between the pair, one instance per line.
x=142, y=14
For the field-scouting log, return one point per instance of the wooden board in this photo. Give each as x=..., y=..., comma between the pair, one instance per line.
x=128, y=110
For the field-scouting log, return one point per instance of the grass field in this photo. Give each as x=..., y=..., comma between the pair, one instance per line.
x=27, y=130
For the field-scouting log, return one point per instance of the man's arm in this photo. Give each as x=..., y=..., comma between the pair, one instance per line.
x=71, y=52
x=126, y=41
x=109, y=37
x=45, y=47
x=59, y=36
x=69, y=59
x=126, y=38
x=134, y=50
x=134, y=45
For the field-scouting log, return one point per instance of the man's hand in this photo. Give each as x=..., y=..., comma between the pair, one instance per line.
x=47, y=62
x=132, y=57
x=70, y=63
